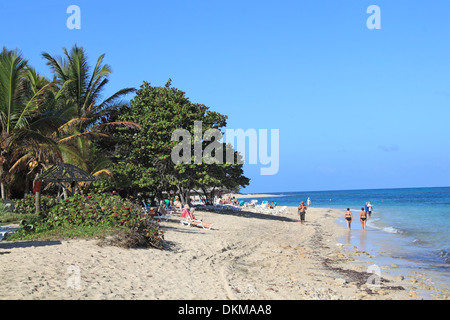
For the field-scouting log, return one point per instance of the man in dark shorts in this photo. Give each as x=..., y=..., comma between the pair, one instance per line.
x=302, y=211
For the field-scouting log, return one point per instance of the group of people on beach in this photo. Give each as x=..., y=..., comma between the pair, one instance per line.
x=365, y=213
x=174, y=204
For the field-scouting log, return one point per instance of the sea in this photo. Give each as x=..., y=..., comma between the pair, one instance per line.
x=409, y=225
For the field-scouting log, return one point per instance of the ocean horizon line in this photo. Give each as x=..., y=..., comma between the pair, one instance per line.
x=334, y=190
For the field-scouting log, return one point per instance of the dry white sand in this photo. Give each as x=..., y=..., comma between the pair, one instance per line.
x=246, y=256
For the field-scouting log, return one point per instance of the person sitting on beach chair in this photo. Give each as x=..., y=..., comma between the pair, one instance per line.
x=192, y=220
x=162, y=209
x=177, y=203
x=188, y=212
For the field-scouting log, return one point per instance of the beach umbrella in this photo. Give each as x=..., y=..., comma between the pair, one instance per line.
x=60, y=174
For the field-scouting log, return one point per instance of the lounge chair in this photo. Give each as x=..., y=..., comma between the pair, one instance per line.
x=261, y=207
x=252, y=203
x=197, y=223
x=147, y=209
x=275, y=210
x=157, y=214
x=280, y=209
x=162, y=217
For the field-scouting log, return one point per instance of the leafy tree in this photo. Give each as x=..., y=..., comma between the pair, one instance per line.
x=160, y=111
x=228, y=176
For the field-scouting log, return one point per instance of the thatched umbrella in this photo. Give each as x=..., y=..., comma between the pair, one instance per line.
x=60, y=174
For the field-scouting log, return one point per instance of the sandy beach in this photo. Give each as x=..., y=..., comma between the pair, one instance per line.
x=246, y=255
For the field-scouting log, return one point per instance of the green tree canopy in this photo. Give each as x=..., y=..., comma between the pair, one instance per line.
x=160, y=111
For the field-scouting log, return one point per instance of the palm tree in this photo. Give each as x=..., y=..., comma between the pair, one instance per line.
x=19, y=110
x=86, y=117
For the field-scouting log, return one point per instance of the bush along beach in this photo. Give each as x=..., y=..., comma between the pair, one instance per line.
x=114, y=220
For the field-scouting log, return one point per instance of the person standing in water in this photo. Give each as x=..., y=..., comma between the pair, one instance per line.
x=363, y=218
x=308, y=202
x=370, y=208
x=302, y=211
x=348, y=218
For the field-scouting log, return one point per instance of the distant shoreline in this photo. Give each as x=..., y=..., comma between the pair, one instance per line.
x=255, y=195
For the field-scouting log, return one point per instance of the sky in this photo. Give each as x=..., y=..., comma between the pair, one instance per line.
x=356, y=108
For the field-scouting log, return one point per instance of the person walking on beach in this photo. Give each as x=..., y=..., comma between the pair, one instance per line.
x=348, y=217
x=308, y=202
x=363, y=218
x=366, y=208
x=302, y=211
x=370, y=206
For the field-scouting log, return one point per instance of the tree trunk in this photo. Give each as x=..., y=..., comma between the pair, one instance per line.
x=27, y=185
x=3, y=185
x=181, y=195
x=4, y=190
x=212, y=195
x=38, y=201
x=65, y=192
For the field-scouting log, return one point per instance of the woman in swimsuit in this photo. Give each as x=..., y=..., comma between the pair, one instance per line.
x=348, y=217
x=363, y=218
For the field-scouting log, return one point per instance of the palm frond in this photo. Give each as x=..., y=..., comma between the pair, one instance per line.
x=89, y=134
x=31, y=106
x=58, y=66
x=103, y=172
x=105, y=127
x=70, y=125
x=113, y=99
x=13, y=86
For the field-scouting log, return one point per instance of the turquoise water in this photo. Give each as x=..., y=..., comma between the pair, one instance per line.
x=414, y=221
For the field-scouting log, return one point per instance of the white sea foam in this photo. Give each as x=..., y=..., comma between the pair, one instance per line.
x=373, y=224
x=391, y=230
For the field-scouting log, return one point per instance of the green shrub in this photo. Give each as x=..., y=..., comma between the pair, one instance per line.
x=91, y=215
x=8, y=217
x=27, y=205
x=3, y=210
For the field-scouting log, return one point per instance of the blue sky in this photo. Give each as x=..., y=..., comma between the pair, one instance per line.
x=356, y=108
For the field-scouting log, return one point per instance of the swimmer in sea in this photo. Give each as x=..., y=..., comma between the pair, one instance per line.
x=363, y=218
x=348, y=218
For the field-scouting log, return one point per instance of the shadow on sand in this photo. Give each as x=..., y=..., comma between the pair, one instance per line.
x=256, y=215
x=25, y=244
